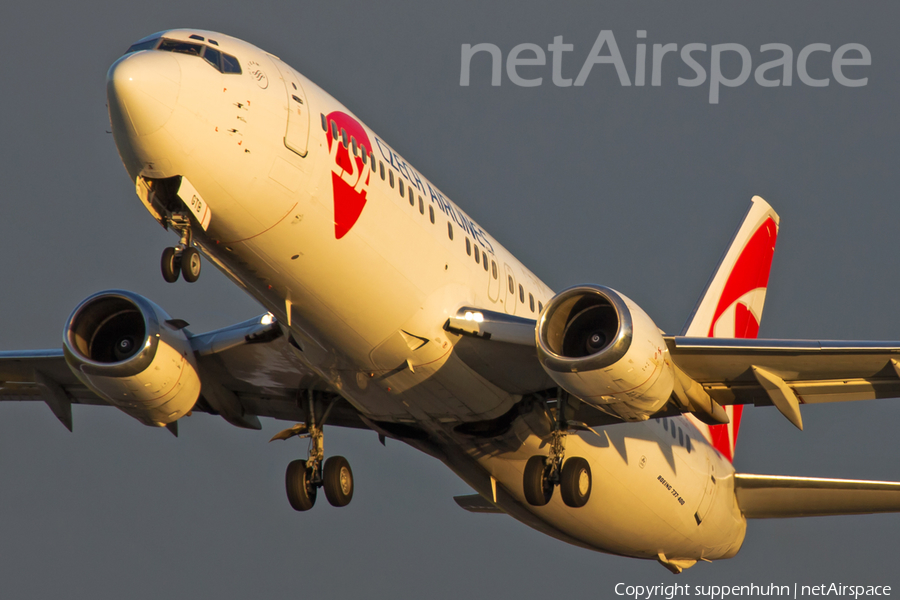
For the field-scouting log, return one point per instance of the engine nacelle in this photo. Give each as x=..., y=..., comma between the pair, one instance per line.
x=119, y=345
x=601, y=347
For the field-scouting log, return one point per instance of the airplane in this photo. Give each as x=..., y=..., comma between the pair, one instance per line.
x=571, y=412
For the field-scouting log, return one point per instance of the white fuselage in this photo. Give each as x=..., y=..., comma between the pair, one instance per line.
x=366, y=293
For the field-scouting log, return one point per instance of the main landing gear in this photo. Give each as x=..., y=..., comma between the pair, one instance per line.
x=183, y=259
x=303, y=477
x=544, y=473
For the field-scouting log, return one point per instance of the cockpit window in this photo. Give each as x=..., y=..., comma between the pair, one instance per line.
x=224, y=63
x=213, y=57
x=230, y=64
x=181, y=47
x=143, y=45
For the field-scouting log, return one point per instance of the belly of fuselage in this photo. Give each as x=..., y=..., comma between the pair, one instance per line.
x=649, y=494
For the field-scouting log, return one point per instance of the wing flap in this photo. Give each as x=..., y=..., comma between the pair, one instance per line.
x=777, y=497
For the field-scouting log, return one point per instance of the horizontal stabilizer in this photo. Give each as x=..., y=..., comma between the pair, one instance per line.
x=476, y=504
x=777, y=497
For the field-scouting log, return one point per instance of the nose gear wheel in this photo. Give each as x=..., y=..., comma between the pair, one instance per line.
x=184, y=259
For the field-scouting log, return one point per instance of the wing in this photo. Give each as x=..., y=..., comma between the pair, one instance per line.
x=789, y=373
x=501, y=348
x=732, y=371
x=248, y=370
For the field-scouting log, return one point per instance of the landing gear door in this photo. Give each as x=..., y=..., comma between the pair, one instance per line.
x=296, y=136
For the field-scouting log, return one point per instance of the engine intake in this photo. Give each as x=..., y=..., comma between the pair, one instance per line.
x=601, y=347
x=118, y=344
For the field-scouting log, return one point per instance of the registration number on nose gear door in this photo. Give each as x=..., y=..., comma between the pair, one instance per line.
x=192, y=199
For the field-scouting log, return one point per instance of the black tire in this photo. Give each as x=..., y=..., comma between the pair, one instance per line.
x=575, y=482
x=170, y=264
x=338, y=482
x=300, y=492
x=538, y=488
x=190, y=265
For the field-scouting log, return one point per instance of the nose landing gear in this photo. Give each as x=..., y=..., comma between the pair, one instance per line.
x=543, y=473
x=184, y=259
x=303, y=477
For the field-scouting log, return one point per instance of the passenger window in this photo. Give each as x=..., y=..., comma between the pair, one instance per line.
x=334, y=130
x=365, y=155
x=665, y=424
x=431, y=213
x=540, y=307
x=512, y=286
x=381, y=168
x=324, y=124
x=391, y=177
x=450, y=229
x=421, y=206
x=680, y=436
x=213, y=57
x=230, y=64
x=468, y=247
x=494, y=269
x=344, y=137
x=687, y=439
x=484, y=263
x=521, y=294
x=478, y=257
x=412, y=201
x=352, y=140
x=402, y=191
x=530, y=301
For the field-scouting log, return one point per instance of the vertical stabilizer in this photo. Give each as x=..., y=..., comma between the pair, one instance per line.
x=732, y=304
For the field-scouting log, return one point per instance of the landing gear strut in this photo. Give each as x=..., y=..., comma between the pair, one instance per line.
x=183, y=259
x=304, y=477
x=543, y=473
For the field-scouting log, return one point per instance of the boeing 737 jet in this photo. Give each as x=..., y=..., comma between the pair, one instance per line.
x=388, y=308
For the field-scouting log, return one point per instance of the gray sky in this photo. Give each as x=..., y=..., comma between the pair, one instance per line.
x=638, y=188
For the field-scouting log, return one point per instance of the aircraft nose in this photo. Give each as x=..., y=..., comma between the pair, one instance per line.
x=142, y=89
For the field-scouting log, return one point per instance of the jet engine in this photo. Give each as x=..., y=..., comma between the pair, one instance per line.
x=600, y=346
x=128, y=351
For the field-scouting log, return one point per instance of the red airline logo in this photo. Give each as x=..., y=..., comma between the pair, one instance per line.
x=349, y=175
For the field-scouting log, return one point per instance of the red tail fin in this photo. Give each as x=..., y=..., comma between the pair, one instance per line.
x=732, y=304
